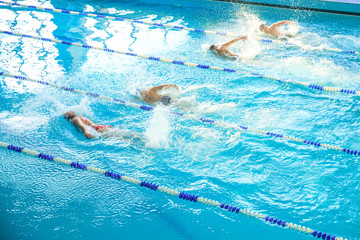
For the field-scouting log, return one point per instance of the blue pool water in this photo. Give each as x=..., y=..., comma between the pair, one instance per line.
x=310, y=186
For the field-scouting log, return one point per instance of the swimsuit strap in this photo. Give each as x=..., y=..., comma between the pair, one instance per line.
x=102, y=127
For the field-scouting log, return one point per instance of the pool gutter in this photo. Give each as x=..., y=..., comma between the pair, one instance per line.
x=346, y=7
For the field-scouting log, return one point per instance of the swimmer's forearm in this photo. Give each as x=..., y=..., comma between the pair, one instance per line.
x=231, y=54
x=228, y=44
x=278, y=24
x=150, y=96
x=86, y=133
x=81, y=126
x=160, y=87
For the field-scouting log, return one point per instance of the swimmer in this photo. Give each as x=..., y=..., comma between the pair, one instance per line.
x=272, y=30
x=82, y=123
x=223, y=49
x=150, y=94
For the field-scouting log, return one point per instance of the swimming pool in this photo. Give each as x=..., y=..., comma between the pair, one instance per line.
x=299, y=183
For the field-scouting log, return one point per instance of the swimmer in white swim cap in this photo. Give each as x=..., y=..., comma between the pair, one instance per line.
x=224, y=51
x=272, y=30
x=152, y=95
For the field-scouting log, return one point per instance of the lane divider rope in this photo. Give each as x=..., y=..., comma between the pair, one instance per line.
x=155, y=24
x=172, y=192
x=189, y=64
x=221, y=124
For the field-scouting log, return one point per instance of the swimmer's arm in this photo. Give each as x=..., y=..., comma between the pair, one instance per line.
x=89, y=135
x=88, y=122
x=278, y=24
x=81, y=125
x=230, y=53
x=160, y=87
x=228, y=44
x=150, y=96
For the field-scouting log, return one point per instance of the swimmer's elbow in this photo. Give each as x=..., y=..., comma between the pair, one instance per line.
x=143, y=94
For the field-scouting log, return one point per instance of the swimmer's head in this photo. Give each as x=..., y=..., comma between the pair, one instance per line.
x=69, y=115
x=212, y=47
x=262, y=27
x=166, y=100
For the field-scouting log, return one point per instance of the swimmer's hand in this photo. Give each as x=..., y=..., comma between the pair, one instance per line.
x=244, y=37
x=89, y=135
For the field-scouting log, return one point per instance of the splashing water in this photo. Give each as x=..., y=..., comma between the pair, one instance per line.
x=83, y=108
x=172, y=92
x=250, y=24
x=251, y=46
x=292, y=29
x=208, y=107
x=206, y=47
x=123, y=135
x=196, y=87
x=189, y=104
x=158, y=130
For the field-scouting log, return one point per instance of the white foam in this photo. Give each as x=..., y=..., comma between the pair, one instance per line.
x=291, y=29
x=122, y=134
x=157, y=133
x=250, y=23
x=208, y=107
x=83, y=108
x=234, y=137
x=189, y=104
x=135, y=91
x=186, y=103
x=172, y=92
x=196, y=87
x=323, y=70
x=205, y=47
x=23, y=123
x=250, y=26
x=250, y=49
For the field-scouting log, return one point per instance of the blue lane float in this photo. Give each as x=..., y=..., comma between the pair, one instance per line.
x=221, y=124
x=172, y=192
x=155, y=24
x=195, y=65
